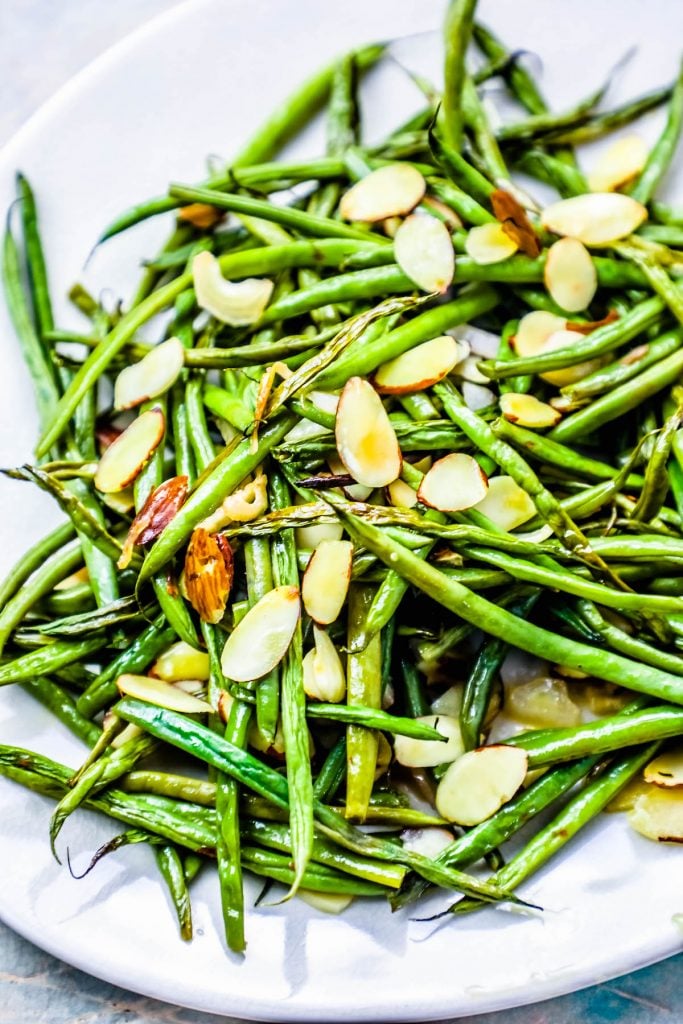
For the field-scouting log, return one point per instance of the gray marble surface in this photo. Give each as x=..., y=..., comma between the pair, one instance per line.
x=42, y=44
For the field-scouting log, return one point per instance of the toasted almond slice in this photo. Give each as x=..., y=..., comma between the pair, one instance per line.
x=569, y=374
x=419, y=367
x=326, y=580
x=454, y=482
x=489, y=243
x=151, y=376
x=543, y=702
x=479, y=783
x=528, y=411
x=401, y=495
x=533, y=331
x=618, y=164
x=667, y=769
x=626, y=797
x=469, y=370
x=324, y=676
x=154, y=516
x=366, y=441
x=233, y=302
x=181, y=661
x=658, y=815
x=570, y=275
x=387, y=192
x=427, y=753
x=261, y=639
x=477, y=397
x=123, y=460
x=595, y=218
x=162, y=694
x=506, y=504
x=201, y=215
x=209, y=571
x=430, y=842
x=423, y=249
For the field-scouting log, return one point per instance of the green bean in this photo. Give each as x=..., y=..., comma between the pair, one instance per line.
x=35, y=258
x=538, y=126
x=625, y=368
x=663, y=150
x=373, y=718
x=499, y=622
x=457, y=33
x=364, y=688
x=48, y=659
x=666, y=234
x=464, y=177
x=331, y=775
x=625, y=644
x=600, y=124
x=228, y=846
x=171, y=869
x=656, y=485
x=62, y=706
x=565, y=178
x=483, y=135
x=34, y=559
x=449, y=192
x=520, y=81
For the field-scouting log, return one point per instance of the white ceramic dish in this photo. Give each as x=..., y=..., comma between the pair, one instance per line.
x=195, y=82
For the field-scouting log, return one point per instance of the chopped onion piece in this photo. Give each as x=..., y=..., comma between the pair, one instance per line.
x=528, y=411
x=423, y=249
x=618, y=164
x=181, y=661
x=125, y=457
x=366, y=441
x=233, y=302
x=506, y=504
x=543, y=703
x=387, y=192
x=326, y=580
x=415, y=753
x=488, y=243
x=430, y=842
x=469, y=370
x=419, y=367
x=479, y=783
x=570, y=275
x=476, y=397
x=260, y=641
x=324, y=677
x=401, y=495
x=596, y=218
x=481, y=343
x=454, y=482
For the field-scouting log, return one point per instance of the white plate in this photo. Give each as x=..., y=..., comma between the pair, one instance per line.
x=191, y=83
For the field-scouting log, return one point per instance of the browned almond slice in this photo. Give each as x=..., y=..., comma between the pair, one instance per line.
x=366, y=441
x=658, y=815
x=151, y=376
x=489, y=243
x=419, y=367
x=479, y=783
x=533, y=331
x=161, y=693
x=208, y=574
x=126, y=456
x=326, y=580
x=200, y=215
x=324, y=676
x=453, y=483
x=595, y=218
x=569, y=374
x=387, y=192
x=506, y=504
x=570, y=275
x=528, y=411
x=233, y=302
x=260, y=641
x=618, y=164
x=423, y=249
x=667, y=769
x=154, y=516
x=181, y=661
x=427, y=753
x=401, y=495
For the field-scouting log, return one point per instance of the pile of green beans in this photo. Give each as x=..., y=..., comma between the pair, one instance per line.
x=282, y=784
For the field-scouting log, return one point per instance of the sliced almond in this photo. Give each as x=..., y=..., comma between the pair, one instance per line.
x=489, y=243
x=479, y=783
x=506, y=504
x=568, y=374
x=423, y=249
x=543, y=703
x=658, y=815
x=324, y=676
x=427, y=753
x=626, y=797
x=181, y=661
x=208, y=575
x=387, y=192
x=262, y=638
x=366, y=441
x=443, y=212
x=126, y=456
x=666, y=770
x=154, y=516
x=200, y=215
x=326, y=902
x=419, y=367
x=401, y=495
x=533, y=331
x=151, y=376
x=570, y=275
x=595, y=218
x=162, y=694
x=528, y=411
x=618, y=164
x=326, y=580
x=233, y=302
x=454, y=482
x=513, y=217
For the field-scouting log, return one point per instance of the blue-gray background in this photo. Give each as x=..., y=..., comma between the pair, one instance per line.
x=42, y=44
